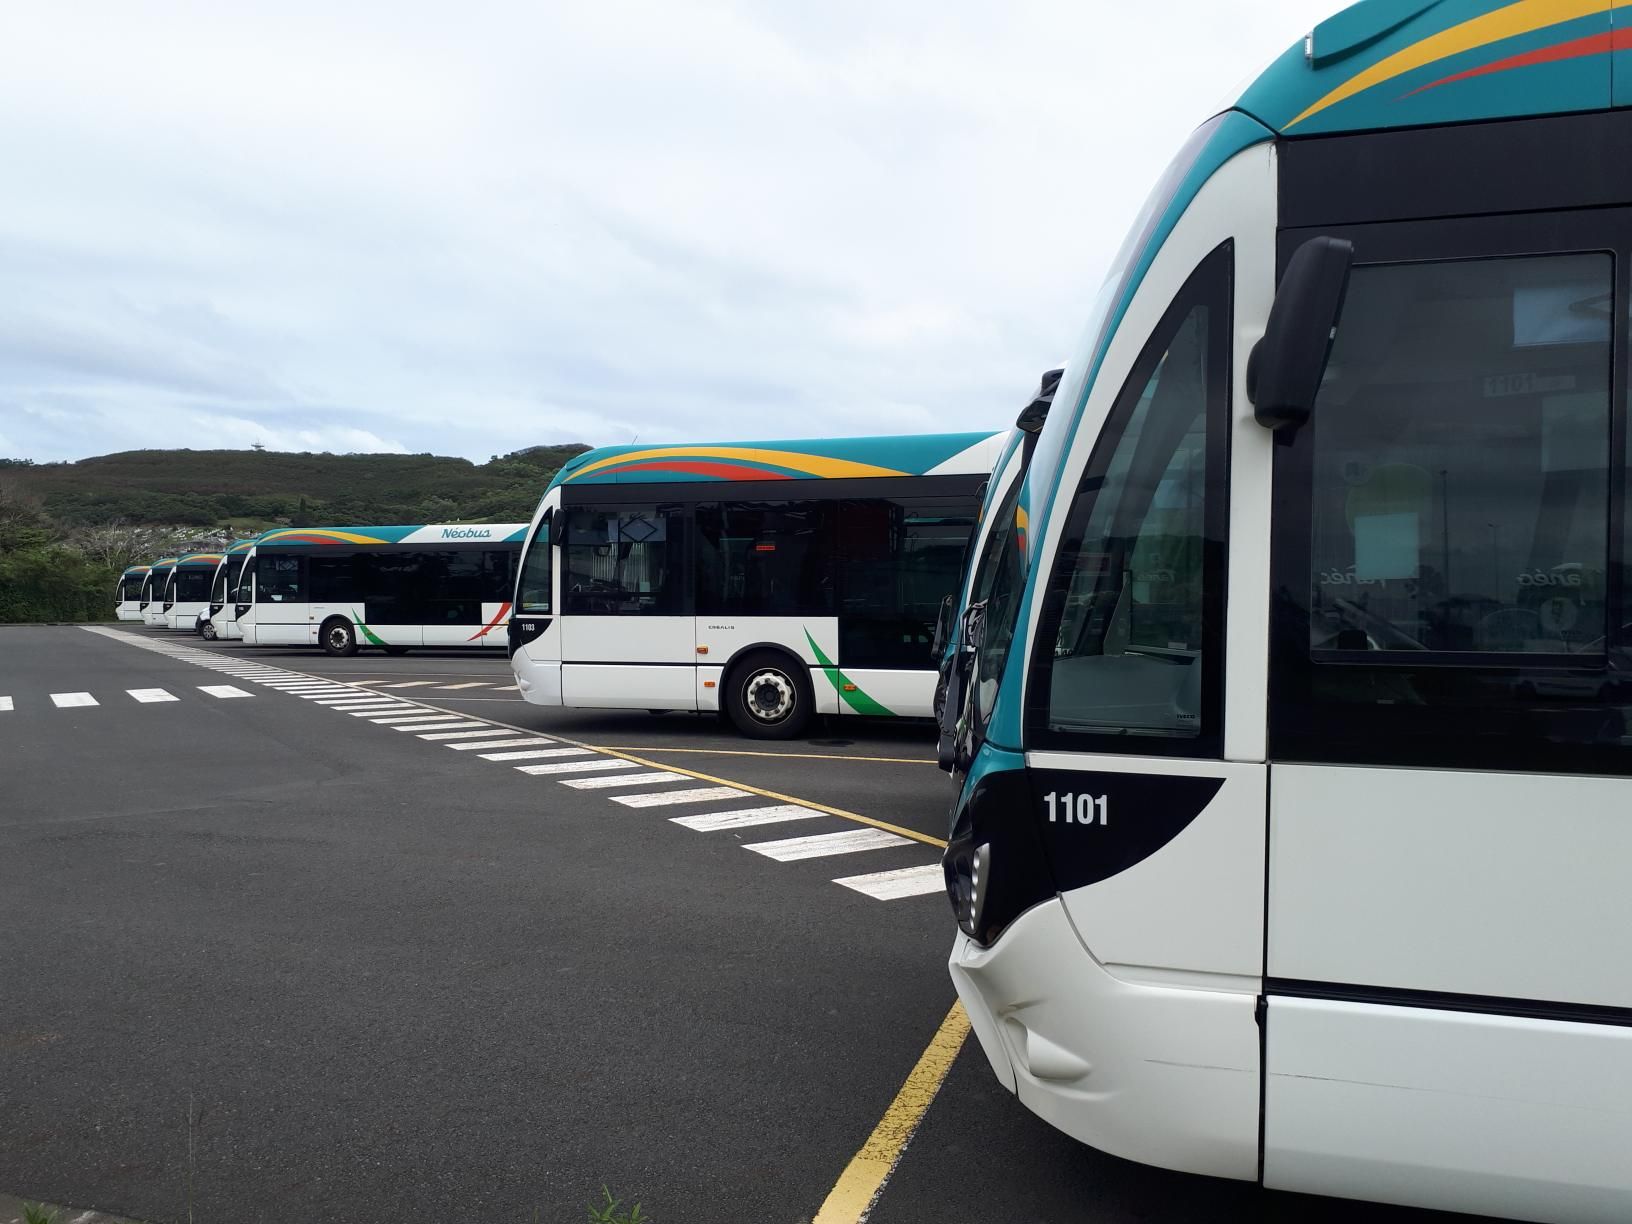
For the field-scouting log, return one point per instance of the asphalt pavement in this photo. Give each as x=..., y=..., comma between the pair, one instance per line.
x=369, y=938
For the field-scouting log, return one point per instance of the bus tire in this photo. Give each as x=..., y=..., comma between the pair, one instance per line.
x=338, y=637
x=206, y=630
x=769, y=697
x=395, y=650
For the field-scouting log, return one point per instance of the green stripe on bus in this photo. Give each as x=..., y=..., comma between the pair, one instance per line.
x=857, y=700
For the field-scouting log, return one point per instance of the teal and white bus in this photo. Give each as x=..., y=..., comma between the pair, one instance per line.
x=769, y=581
x=1295, y=770
x=150, y=604
x=342, y=588
x=187, y=589
x=220, y=622
x=127, y=593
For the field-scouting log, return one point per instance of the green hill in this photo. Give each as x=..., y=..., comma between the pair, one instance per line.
x=68, y=529
x=246, y=489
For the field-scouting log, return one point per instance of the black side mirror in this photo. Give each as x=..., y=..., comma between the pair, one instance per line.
x=1286, y=366
x=1033, y=415
x=943, y=626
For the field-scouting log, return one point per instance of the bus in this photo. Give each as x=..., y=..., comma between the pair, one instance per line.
x=768, y=581
x=220, y=622
x=996, y=507
x=187, y=590
x=151, y=601
x=1291, y=829
x=127, y=593
x=344, y=588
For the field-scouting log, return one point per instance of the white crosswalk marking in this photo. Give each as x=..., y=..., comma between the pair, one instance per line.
x=515, y=741
x=650, y=778
x=699, y=794
x=902, y=882
x=452, y=688
x=5, y=704
x=436, y=725
x=65, y=700
x=794, y=848
x=527, y=753
x=454, y=735
x=408, y=684
x=596, y=766
x=146, y=696
x=508, y=688
x=407, y=716
x=223, y=690
x=713, y=822
x=376, y=711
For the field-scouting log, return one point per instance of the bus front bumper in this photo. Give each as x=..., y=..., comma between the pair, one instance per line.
x=1160, y=1074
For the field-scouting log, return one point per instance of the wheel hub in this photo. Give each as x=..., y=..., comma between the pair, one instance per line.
x=769, y=696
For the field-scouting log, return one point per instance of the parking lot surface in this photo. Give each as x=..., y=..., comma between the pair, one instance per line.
x=368, y=938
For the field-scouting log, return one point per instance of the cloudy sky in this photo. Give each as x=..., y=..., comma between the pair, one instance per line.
x=471, y=228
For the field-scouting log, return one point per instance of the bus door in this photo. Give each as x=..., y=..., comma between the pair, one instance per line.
x=1450, y=683
x=1154, y=833
x=628, y=636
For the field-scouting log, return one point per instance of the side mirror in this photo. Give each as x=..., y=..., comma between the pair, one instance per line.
x=1286, y=366
x=1033, y=415
x=943, y=625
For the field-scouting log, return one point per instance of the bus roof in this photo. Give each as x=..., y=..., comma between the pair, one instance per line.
x=820, y=458
x=238, y=546
x=136, y=569
x=426, y=534
x=163, y=561
x=1395, y=63
x=201, y=559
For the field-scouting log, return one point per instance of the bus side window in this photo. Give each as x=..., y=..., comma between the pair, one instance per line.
x=1131, y=637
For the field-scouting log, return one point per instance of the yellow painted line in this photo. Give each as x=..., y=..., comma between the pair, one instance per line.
x=778, y=756
x=863, y=1180
x=623, y=755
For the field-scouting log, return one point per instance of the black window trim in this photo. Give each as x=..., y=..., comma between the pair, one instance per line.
x=1218, y=268
x=1337, y=737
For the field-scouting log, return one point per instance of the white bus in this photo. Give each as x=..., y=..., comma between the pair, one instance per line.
x=127, y=593
x=187, y=589
x=344, y=588
x=991, y=533
x=1295, y=773
x=767, y=580
x=220, y=623
x=151, y=602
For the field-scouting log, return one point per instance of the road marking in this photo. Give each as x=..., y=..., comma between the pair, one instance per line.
x=223, y=690
x=650, y=778
x=375, y=711
x=452, y=688
x=781, y=756
x=350, y=702
x=529, y=753
x=864, y=1178
x=433, y=724
x=697, y=794
x=508, y=688
x=73, y=699
x=713, y=822
x=597, y=766
x=820, y=845
x=902, y=882
x=499, y=743
x=453, y=735
x=409, y=716
x=841, y=813
x=373, y=703
x=5, y=704
x=149, y=695
x=408, y=684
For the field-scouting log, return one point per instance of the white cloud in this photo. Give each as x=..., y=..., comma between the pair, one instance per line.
x=396, y=227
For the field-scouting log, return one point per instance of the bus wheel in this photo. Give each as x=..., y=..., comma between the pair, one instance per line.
x=206, y=630
x=338, y=637
x=769, y=697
